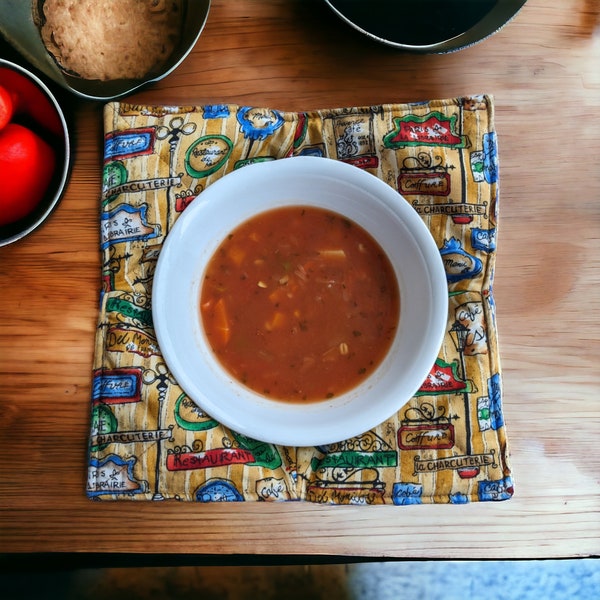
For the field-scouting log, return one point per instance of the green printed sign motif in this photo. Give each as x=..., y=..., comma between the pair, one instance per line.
x=356, y=460
x=186, y=423
x=128, y=309
x=265, y=454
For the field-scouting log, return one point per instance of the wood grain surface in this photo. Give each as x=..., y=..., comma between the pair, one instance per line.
x=543, y=70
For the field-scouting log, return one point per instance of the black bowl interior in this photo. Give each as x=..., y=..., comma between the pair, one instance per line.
x=427, y=25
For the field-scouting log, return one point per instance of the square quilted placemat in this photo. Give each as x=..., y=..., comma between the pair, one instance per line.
x=149, y=441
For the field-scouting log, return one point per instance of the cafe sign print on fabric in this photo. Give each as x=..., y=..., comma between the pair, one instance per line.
x=432, y=129
x=424, y=175
x=126, y=224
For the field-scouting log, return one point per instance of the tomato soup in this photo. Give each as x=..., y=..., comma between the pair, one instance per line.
x=300, y=304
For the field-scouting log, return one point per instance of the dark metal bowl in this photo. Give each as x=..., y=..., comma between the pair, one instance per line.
x=19, y=29
x=427, y=26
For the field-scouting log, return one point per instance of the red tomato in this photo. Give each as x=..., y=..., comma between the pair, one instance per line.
x=26, y=166
x=6, y=106
x=31, y=100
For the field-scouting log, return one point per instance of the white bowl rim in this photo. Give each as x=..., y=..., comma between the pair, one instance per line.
x=177, y=280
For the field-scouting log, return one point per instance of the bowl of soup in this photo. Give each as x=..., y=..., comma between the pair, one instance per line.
x=300, y=301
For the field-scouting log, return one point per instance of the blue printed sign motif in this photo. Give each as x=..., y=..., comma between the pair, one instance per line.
x=489, y=408
x=126, y=223
x=407, y=493
x=458, y=498
x=218, y=490
x=494, y=394
x=127, y=144
x=458, y=263
x=258, y=123
x=113, y=475
x=502, y=489
x=484, y=162
x=314, y=151
x=483, y=239
x=117, y=385
x=490, y=157
x=216, y=111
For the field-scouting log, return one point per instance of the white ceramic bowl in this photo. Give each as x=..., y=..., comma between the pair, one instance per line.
x=333, y=185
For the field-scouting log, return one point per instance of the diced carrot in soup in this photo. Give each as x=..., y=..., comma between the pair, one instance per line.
x=237, y=255
x=325, y=313
x=216, y=314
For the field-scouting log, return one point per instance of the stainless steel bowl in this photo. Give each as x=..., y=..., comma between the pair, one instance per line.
x=18, y=27
x=427, y=26
x=13, y=232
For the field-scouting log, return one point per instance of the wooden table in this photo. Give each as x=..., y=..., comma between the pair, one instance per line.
x=543, y=70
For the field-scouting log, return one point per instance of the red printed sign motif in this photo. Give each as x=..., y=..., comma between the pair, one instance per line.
x=186, y=461
x=433, y=129
x=442, y=379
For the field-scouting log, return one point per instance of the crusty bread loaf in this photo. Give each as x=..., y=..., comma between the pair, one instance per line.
x=111, y=39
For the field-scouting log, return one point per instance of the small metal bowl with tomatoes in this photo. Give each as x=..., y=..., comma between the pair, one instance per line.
x=35, y=155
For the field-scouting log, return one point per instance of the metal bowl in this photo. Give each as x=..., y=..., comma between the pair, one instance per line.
x=13, y=232
x=18, y=27
x=427, y=26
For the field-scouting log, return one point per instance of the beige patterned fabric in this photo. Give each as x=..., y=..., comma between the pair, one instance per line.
x=149, y=441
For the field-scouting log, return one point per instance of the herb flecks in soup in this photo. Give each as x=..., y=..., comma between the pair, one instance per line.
x=300, y=304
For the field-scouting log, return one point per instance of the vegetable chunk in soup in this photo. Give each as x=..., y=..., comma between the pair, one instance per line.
x=300, y=304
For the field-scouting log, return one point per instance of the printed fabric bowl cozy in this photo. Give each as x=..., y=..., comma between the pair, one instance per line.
x=309, y=181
